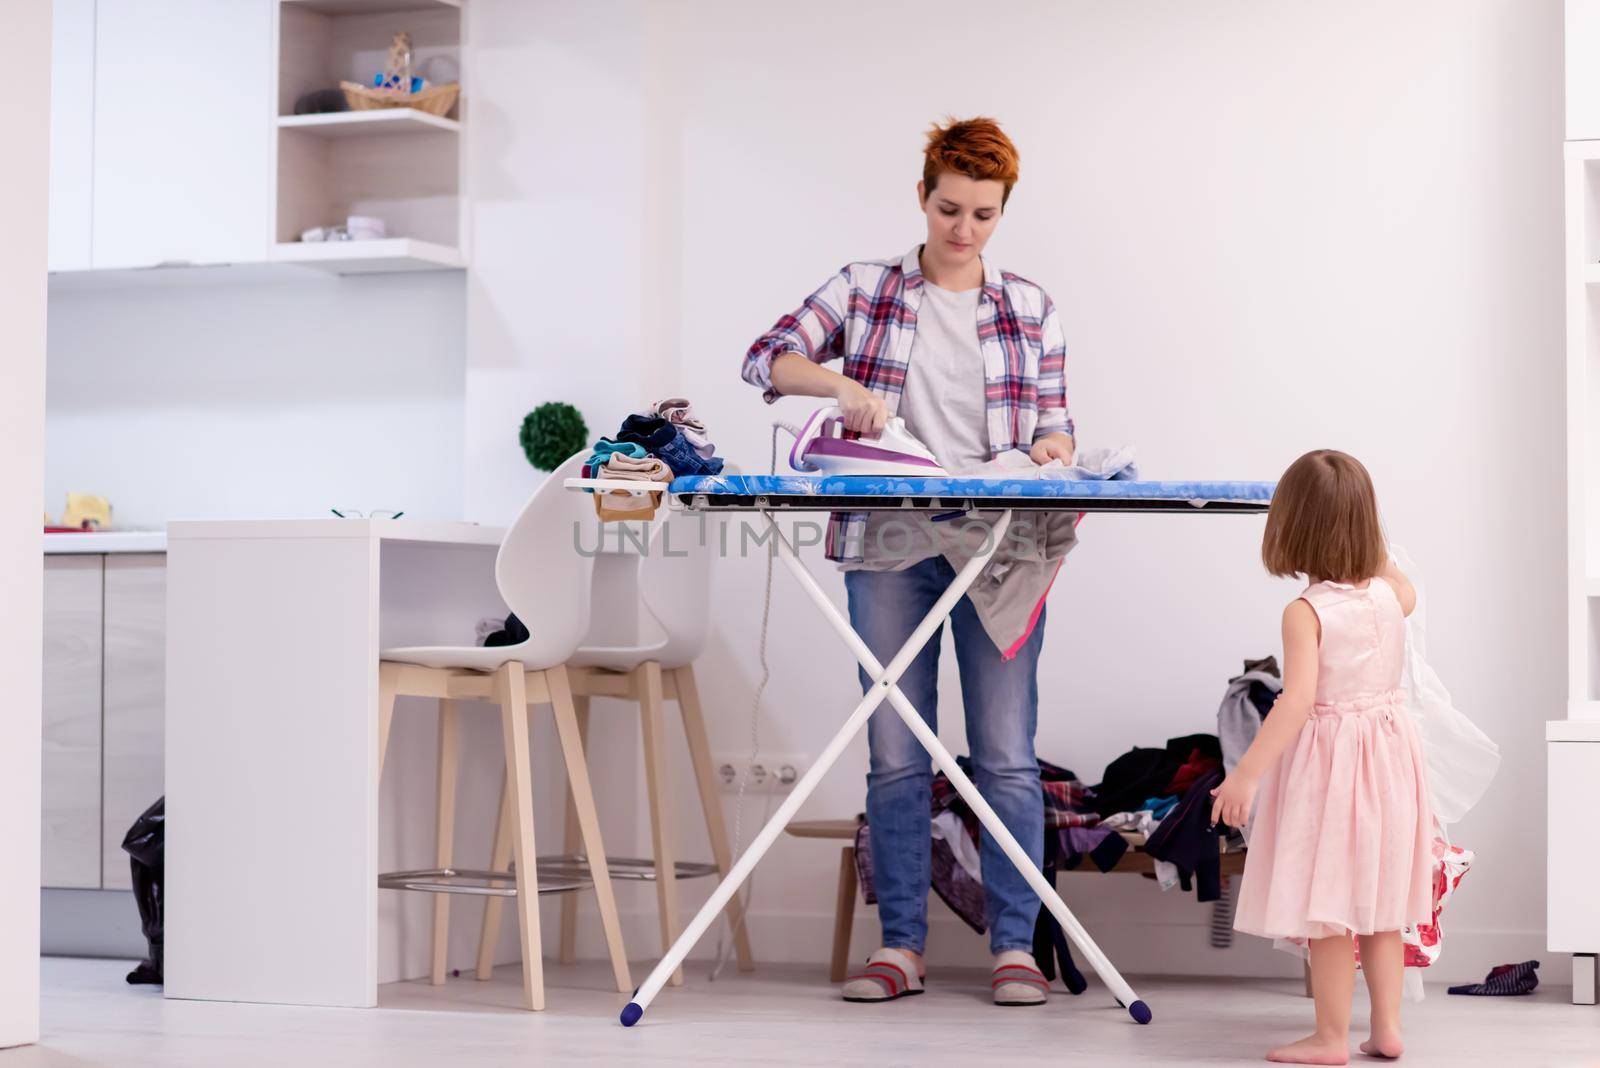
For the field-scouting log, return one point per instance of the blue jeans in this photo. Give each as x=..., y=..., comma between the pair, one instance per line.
x=1002, y=705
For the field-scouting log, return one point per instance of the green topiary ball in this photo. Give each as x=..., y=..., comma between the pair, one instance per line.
x=551, y=433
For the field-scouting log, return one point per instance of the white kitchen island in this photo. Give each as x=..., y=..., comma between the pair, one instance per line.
x=273, y=848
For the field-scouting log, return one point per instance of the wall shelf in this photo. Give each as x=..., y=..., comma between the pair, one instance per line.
x=400, y=165
x=390, y=121
x=387, y=256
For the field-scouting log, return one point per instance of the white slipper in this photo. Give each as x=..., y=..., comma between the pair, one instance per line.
x=1016, y=981
x=889, y=974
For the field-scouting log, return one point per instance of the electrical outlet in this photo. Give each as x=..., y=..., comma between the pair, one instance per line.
x=771, y=772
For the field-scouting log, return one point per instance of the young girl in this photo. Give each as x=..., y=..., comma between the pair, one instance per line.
x=1340, y=847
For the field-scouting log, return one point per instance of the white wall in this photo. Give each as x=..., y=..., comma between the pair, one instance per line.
x=280, y=397
x=23, y=198
x=558, y=171
x=1269, y=228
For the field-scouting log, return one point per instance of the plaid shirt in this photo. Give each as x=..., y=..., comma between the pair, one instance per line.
x=867, y=314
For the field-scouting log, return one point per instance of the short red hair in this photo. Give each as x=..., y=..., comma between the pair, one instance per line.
x=977, y=148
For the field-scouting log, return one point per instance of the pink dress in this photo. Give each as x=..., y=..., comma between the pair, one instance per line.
x=1342, y=833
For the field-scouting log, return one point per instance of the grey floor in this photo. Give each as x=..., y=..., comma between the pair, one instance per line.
x=779, y=1015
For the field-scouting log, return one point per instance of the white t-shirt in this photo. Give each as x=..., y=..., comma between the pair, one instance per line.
x=942, y=402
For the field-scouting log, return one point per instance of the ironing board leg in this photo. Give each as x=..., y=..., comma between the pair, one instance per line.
x=969, y=793
x=882, y=688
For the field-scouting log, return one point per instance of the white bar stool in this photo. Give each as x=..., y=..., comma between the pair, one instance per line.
x=547, y=584
x=674, y=584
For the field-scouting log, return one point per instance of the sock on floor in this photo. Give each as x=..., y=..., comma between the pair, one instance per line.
x=1503, y=981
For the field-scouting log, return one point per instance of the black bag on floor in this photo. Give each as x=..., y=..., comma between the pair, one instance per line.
x=145, y=844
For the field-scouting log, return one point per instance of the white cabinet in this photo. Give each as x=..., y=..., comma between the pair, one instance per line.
x=104, y=710
x=135, y=700
x=71, y=771
x=71, y=134
x=182, y=126
x=1574, y=921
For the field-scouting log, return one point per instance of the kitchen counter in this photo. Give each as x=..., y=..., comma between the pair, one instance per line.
x=111, y=541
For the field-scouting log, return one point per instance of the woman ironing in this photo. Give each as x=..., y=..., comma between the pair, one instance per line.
x=972, y=358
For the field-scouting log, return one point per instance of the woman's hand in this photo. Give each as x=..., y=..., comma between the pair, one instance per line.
x=864, y=411
x=1234, y=799
x=1053, y=447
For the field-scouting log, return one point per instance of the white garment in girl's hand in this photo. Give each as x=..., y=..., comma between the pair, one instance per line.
x=1461, y=759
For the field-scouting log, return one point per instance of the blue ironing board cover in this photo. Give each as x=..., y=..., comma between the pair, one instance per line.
x=1020, y=490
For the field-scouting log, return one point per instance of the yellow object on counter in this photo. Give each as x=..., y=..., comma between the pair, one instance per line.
x=86, y=512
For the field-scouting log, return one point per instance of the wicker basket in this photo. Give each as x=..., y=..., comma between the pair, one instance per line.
x=435, y=100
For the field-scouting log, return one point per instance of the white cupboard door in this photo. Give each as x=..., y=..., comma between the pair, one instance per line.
x=1573, y=916
x=135, y=699
x=71, y=772
x=71, y=133
x=182, y=132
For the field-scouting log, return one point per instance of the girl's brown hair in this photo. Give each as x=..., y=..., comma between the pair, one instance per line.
x=1323, y=522
x=977, y=148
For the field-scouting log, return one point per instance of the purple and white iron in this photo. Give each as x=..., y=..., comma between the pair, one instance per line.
x=820, y=447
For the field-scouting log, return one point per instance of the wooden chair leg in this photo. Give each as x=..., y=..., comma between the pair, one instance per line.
x=511, y=690
x=388, y=691
x=694, y=727
x=573, y=841
x=582, y=796
x=444, y=831
x=494, y=906
x=651, y=703
x=844, y=915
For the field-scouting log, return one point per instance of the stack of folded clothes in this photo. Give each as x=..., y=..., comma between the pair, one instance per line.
x=654, y=445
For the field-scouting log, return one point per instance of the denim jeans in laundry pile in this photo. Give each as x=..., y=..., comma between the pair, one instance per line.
x=681, y=456
x=1002, y=704
x=661, y=439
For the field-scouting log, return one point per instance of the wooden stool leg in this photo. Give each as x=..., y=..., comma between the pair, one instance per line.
x=573, y=842
x=388, y=690
x=651, y=703
x=588, y=822
x=493, y=906
x=511, y=690
x=844, y=915
x=444, y=832
x=694, y=727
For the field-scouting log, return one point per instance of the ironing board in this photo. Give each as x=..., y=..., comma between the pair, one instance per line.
x=999, y=497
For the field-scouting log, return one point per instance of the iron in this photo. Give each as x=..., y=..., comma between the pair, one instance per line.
x=821, y=447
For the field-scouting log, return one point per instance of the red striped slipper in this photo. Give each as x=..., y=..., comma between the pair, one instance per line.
x=889, y=974
x=1016, y=983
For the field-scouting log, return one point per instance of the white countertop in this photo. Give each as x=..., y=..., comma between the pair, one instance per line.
x=111, y=541
x=417, y=530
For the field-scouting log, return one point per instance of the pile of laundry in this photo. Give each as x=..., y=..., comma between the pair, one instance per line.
x=1155, y=799
x=656, y=444
x=1072, y=830
x=1165, y=795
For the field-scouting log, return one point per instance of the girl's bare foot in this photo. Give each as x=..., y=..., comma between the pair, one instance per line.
x=1385, y=1044
x=1313, y=1049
